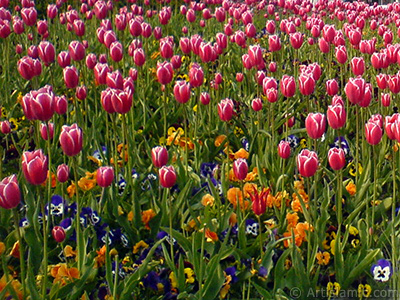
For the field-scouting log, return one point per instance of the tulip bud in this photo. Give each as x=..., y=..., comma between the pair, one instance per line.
x=240, y=168
x=159, y=156
x=284, y=149
x=10, y=194
x=5, y=127
x=373, y=133
x=104, y=176
x=64, y=59
x=45, y=130
x=307, y=163
x=225, y=109
x=336, y=158
x=239, y=77
x=315, y=125
x=167, y=176
x=62, y=173
x=58, y=234
x=35, y=166
x=71, y=139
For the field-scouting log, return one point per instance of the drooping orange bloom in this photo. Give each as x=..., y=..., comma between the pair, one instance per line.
x=219, y=140
x=147, y=215
x=53, y=180
x=71, y=189
x=211, y=236
x=100, y=259
x=87, y=184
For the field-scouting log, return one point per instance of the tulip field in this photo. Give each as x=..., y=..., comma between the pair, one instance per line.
x=210, y=149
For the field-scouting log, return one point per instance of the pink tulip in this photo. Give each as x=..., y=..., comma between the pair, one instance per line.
x=315, y=125
x=373, y=133
x=307, y=163
x=355, y=89
x=10, y=194
x=296, y=40
x=167, y=176
x=284, y=149
x=240, y=168
x=336, y=158
x=104, y=176
x=164, y=72
x=196, y=75
x=287, y=86
x=35, y=166
x=225, y=109
x=46, y=52
x=62, y=173
x=392, y=126
x=357, y=66
x=385, y=100
x=336, y=115
x=5, y=127
x=332, y=87
x=116, y=51
x=45, y=129
x=71, y=77
x=341, y=54
x=58, y=234
x=182, y=91
x=274, y=43
x=306, y=84
x=39, y=105
x=71, y=139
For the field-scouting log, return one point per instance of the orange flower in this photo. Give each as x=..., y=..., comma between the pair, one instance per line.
x=69, y=252
x=207, y=200
x=130, y=216
x=241, y=153
x=71, y=189
x=15, y=250
x=297, y=238
x=211, y=236
x=147, y=215
x=351, y=188
x=270, y=200
x=232, y=219
x=87, y=184
x=323, y=258
x=15, y=284
x=219, y=140
x=234, y=196
x=292, y=220
x=53, y=180
x=62, y=273
x=2, y=248
x=249, y=189
x=100, y=259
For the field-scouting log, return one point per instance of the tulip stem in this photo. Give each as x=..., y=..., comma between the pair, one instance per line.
x=375, y=186
x=171, y=241
x=165, y=110
x=186, y=138
x=77, y=217
x=356, y=143
x=21, y=251
x=45, y=255
x=261, y=237
x=393, y=235
x=339, y=197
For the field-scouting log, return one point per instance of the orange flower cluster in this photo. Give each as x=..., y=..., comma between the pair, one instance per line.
x=63, y=274
x=297, y=229
x=85, y=183
x=15, y=285
x=177, y=137
x=296, y=204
